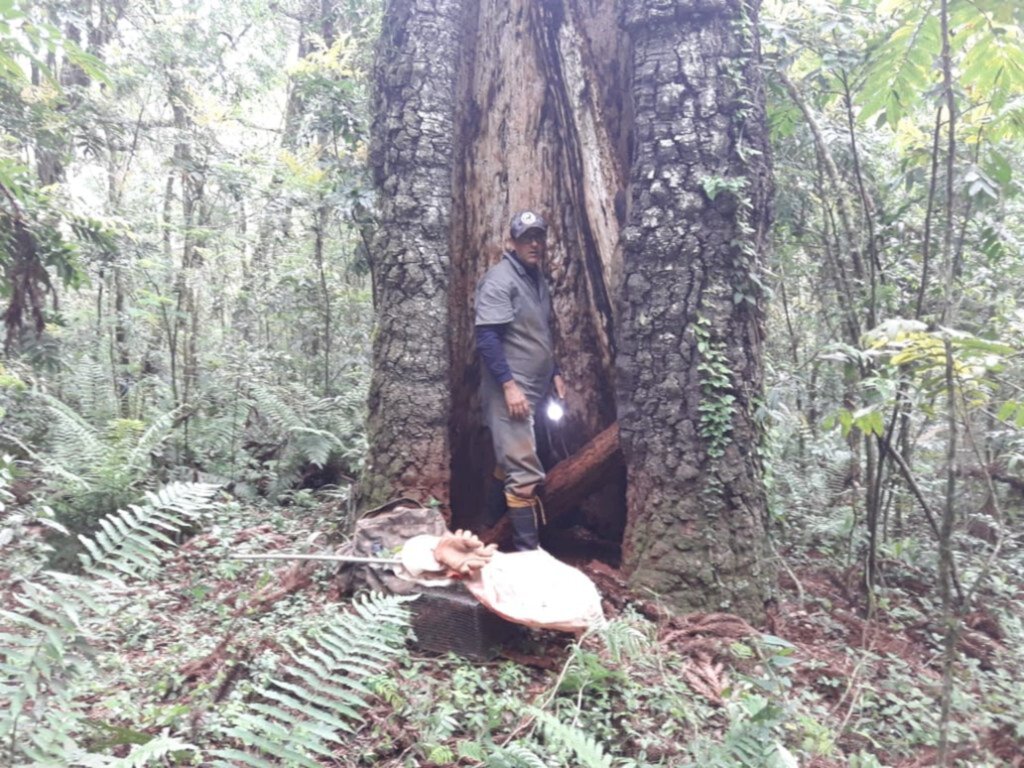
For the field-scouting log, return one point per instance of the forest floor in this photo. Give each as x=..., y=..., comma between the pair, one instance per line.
x=826, y=683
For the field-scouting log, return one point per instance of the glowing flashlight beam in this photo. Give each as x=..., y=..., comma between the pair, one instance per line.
x=555, y=411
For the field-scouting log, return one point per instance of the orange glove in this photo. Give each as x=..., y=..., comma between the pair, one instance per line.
x=463, y=553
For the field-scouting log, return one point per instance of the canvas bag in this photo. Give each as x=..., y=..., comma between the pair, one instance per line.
x=382, y=532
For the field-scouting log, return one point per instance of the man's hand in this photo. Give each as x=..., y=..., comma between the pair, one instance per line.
x=463, y=553
x=559, y=383
x=516, y=402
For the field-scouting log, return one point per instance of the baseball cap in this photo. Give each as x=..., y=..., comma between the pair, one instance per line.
x=525, y=221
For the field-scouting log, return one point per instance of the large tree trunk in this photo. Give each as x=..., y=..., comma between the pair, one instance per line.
x=414, y=147
x=485, y=108
x=689, y=357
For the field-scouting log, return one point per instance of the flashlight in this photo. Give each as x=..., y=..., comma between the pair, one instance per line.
x=555, y=411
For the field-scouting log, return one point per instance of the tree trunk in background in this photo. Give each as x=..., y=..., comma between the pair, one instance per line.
x=486, y=108
x=316, y=25
x=190, y=168
x=120, y=358
x=689, y=362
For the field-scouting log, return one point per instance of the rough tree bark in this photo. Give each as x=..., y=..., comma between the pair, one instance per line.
x=414, y=132
x=689, y=356
x=485, y=108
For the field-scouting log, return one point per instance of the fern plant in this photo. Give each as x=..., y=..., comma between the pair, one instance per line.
x=513, y=755
x=316, y=430
x=89, y=379
x=97, y=469
x=295, y=417
x=129, y=542
x=162, y=748
x=587, y=672
x=588, y=752
x=41, y=656
x=267, y=436
x=564, y=744
x=49, y=640
x=318, y=697
x=751, y=740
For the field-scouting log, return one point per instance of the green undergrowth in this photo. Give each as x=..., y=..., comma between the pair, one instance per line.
x=163, y=650
x=876, y=673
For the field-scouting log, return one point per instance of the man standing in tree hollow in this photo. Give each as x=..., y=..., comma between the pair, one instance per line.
x=513, y=337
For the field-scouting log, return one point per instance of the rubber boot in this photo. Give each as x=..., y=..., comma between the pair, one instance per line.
x=494, y=502
x=525, y=535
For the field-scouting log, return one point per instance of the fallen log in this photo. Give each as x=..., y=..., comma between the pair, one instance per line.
x=570, y=481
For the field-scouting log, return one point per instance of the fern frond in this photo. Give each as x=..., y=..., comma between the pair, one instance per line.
x=270, y=738
x=315, y=445
x=515, y=755
x=624, y=639
x=45, y=646
x=221, y=430
x=441, y=754
x=272, y=407
x=141, y=755
x=472, y=750
x=129, y=540
x=318, y=698
x=89, y=380
x=589, y=753
x=750, y=741
x=238, y=757
x=184, y=498
x=49, y=467
x=40, y=652
x=159, y=429
x=76, y=444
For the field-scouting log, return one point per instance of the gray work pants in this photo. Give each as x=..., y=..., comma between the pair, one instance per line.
x=515, y=445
